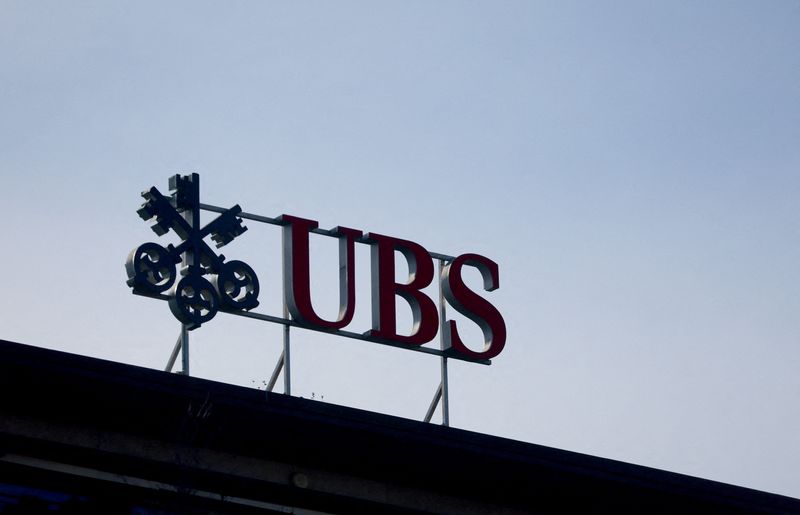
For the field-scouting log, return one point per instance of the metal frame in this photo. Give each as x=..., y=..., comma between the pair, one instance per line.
x=442, y=392
x=284, y=361
x=283, y=365
x=182, y=347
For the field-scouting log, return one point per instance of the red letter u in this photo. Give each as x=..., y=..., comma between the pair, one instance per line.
x=296, y=274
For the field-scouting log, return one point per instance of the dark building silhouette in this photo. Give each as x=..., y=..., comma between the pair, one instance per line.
x=84, y=435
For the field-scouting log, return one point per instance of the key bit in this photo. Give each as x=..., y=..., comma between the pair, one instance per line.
x=186, y=191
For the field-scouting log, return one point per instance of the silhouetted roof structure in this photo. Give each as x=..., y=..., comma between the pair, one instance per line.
x=107, y=434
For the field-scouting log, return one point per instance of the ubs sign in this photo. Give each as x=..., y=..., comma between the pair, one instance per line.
x=207, y=282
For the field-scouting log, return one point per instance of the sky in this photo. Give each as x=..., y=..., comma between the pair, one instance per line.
x=632, y=167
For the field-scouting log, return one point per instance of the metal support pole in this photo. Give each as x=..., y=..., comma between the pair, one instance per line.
x=287, y=375
x=445, y=396
x=275, y=374
x=189, y=260
x=174, y=356
x=434, y=403
x=442, y=323
x=442, y=393
x=184, y=350
x=286, y=355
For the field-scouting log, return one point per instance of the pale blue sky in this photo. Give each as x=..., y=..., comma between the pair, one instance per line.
x=634, y=168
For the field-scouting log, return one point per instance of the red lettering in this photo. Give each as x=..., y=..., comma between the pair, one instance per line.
x=296, y=275
x=384, y=290
x=474, y=307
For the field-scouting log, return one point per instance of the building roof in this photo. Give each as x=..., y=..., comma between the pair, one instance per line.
x=103, y=423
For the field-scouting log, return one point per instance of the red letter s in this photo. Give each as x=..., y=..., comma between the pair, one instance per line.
x=474, y=307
